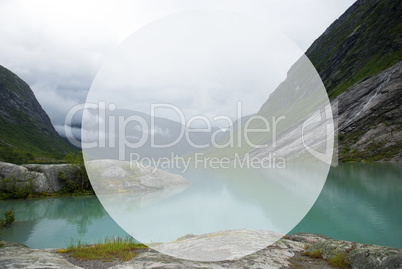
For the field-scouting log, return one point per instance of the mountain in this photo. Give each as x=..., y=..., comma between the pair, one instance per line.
x=146, y=136
x=26, y=131
x=359, y=60
x=365, y=40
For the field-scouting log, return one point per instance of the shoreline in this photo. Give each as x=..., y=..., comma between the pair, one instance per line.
x=292, y=251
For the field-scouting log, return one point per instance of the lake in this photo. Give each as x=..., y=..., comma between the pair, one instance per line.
x=359, y=202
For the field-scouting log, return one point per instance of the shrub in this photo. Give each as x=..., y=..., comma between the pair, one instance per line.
x=12, y=190
x=339, y=261
x=80, y=184
x=9, y=218
x=316, y=254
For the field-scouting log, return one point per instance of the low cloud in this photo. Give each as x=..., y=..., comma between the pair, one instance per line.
x=57, y=47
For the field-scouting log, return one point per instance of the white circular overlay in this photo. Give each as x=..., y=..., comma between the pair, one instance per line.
x=207, y=135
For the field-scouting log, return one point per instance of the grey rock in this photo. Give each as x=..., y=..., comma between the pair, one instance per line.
x=8, y=170
x=22, y=176
x=51, y=174
x=20, y=110
x=160, y=179
x=369, y=116
x=13, y=255
x=45, y=177
x=360, y=255
x=115, y=172
x=113, y=176
x=272, y=257
x=275, y=256
x=218, y=246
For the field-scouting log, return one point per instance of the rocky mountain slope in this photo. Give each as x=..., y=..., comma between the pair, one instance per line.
x=359, y=60
x=365, y=40
x=370, y=118
x=25, y=128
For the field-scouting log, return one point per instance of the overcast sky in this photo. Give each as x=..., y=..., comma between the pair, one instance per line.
x=57, y=47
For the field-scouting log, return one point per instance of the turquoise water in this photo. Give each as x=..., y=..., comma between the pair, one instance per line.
x=359, y=202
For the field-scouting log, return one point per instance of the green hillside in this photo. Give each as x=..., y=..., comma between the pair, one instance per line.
x=26, y=132
x=364, y=41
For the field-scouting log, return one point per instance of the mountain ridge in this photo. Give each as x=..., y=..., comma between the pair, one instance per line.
x=25, y=129
x=362, y=42
x=354, y=56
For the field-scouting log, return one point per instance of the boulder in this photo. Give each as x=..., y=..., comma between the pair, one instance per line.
x=52, y=182
x=45, y=178
x=359, y=256
x=113, y=176
x=14, y=255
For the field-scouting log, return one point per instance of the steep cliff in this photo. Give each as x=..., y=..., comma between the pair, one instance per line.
x=359, y=59
x=365, y=40
x=25, y=128
x=369, y=116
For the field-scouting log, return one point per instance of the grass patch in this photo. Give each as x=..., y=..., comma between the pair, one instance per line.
x=316, y=254
x=339, y=261
x=184, y=237
x=107, y=251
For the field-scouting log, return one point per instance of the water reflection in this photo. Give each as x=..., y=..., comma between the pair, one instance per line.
x=53, y=222
x=359, y=202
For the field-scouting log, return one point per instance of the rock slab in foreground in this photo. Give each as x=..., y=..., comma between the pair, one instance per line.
x=219, y=246
x=14, y=255
x=281, y=255
x=359, y=255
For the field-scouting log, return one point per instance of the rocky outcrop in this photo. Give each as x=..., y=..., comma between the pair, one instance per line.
x=218, y=246
x=369, y=117
x=292, y=251
x=359, y=60
x=107, y=176
x=17, y=97
x=14, y=255
x=357, y=255
x=112, y=176
x=45, y=178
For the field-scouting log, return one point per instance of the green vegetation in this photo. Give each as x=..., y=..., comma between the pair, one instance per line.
x=26, y=133
x=316, y=254
x=184, y=237
x=124, y=249
x=360, y=46
x=373, y=150
x=9, y=218
x=27, y=143
x=10, y=155
x=77, y=183
x=339, y=261
x=12, y=189
x=80, y=185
